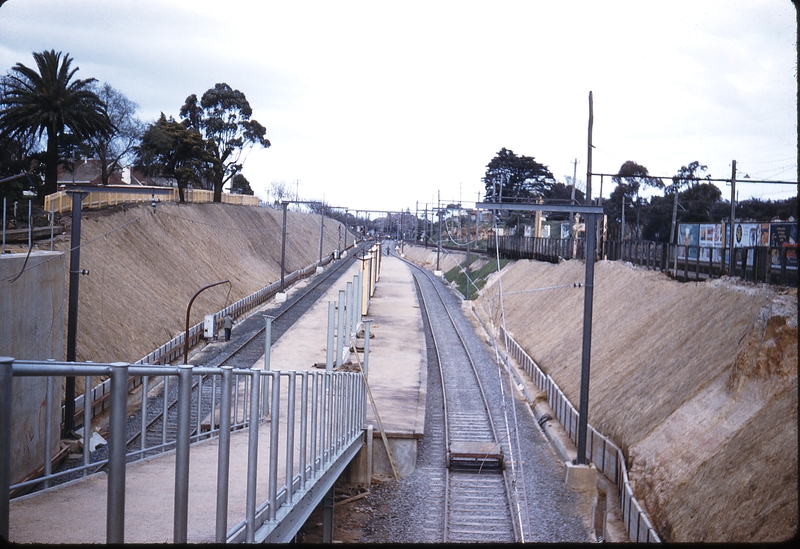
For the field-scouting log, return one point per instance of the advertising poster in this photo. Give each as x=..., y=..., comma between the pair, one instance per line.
x=688, y=238
x=748, y=235
x=783, y=235
x=710, y=239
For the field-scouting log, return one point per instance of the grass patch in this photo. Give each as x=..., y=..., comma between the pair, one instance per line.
x=478, y=277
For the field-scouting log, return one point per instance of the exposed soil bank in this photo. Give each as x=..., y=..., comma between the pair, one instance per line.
x=697, y=382
x=145, y=266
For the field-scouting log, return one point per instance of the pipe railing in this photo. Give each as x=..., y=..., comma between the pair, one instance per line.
x=173, y=349
x=600, y=451
x=311, y=423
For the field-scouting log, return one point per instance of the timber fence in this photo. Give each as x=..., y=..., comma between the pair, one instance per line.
x=61, y=201
x=770, y=264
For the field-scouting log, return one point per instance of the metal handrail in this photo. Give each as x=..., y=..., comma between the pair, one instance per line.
x=600, y=451
x=328, y=407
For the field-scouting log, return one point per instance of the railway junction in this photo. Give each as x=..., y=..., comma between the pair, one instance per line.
x=400, y=414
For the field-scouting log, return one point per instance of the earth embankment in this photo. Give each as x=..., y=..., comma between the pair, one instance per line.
x=696, y=382
x=144, y=267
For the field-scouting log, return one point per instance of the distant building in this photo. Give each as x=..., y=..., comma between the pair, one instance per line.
x=88, y=172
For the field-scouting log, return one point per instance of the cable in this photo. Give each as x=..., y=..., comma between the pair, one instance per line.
x=8, y=279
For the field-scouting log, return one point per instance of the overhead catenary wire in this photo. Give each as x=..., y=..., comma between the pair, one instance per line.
x=504, y=362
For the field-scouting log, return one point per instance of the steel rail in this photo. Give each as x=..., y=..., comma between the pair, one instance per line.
x=454, y=479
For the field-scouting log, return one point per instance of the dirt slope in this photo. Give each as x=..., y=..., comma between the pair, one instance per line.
x=697, y=382
x=144, y=268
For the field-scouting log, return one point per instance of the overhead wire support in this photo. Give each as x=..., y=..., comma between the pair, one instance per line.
x=712, y=179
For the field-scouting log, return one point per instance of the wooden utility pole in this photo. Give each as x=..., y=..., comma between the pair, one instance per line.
x=572, y=199
x=672, y=238
x=588, y=200
x=733, y=216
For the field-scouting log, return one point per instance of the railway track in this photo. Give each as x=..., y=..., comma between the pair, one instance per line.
x=482, y=500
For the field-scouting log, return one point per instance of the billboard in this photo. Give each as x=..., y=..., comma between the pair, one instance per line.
x=783, y=235
x=710, y=238
x=750, y=235
x=688, y=237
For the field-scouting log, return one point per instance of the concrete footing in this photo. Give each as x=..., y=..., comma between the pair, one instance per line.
x=373, y=460
x=581, y=477
x=320, y=270
x=280, y=297
x=437, y=273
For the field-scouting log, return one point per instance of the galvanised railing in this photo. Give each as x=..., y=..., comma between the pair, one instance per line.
x=600, y=451
x=174, y=348
x=314, y=416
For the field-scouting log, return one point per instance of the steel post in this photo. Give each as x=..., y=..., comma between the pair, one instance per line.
x=283, y=244
x=327, y=517
x=358, y=286
x=87, y=424
x=72, y=310
x=321, y=233
x=342, y=329
x=331, y=332
x=267, y=341
x=290, y=401
x=3, y=250
x=6, y=377
x=588, y=294
x=182, y=440
x=252, y=456
x=267, y=362
x=143, y=430
x=349, y=311
x=303, y=426
x=367, y=324
x=48, y=432
x=323, y=419
x=164, y=410
x=115, y=500
x=314, y=430
x=274, y=432
x=224, y=454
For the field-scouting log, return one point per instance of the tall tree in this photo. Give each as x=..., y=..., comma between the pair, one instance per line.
x=687, y=176
x=223, y=118
x=511, y=178
x=47, y=100
x=171, y=149
x=117, y=149
x=630, y=180
x=240, y=184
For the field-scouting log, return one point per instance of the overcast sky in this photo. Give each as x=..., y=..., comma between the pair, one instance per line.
x=381, y=105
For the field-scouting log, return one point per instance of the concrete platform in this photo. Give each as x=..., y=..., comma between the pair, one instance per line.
x=75, y=513
x=398, y=368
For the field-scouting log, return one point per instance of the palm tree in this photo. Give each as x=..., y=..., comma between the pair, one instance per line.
x=50, y=101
